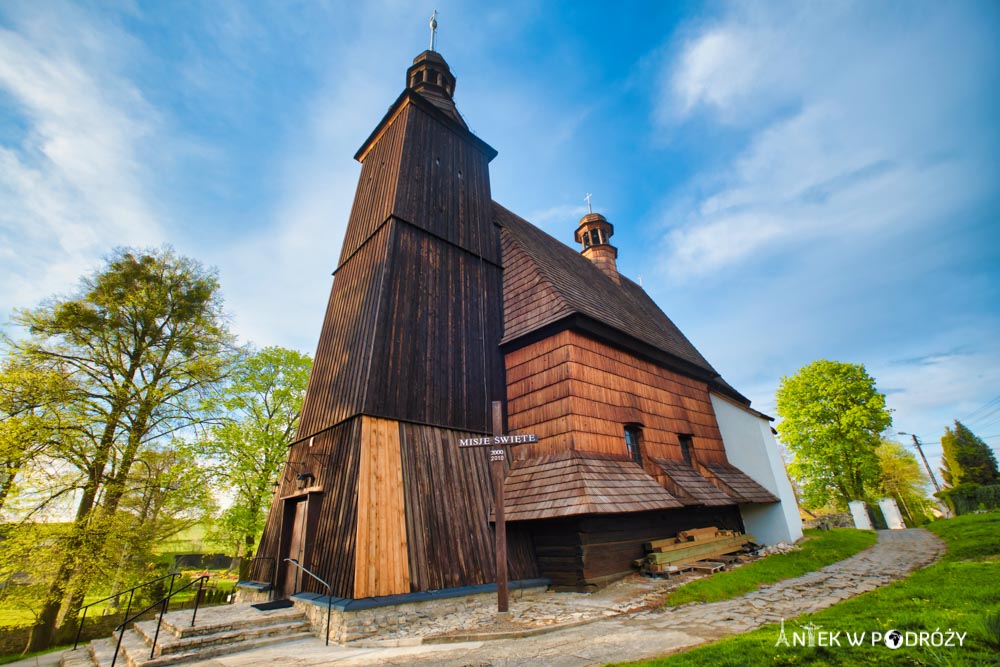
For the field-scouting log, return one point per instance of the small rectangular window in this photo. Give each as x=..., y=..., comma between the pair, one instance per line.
x=686, y=445
x=633, y=438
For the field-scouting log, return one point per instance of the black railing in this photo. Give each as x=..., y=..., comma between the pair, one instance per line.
x=128, y=610
x=274, y=570
x=329, y=595
x=163, y=603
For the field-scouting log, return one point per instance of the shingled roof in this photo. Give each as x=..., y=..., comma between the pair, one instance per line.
x=546, y=281
x=574, y=482
x=690, y=486
x=738, y=484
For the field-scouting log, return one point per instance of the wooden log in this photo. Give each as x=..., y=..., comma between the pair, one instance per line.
x=687, y=545
x=711, y=555
x=727, y=545
x=695, y=532
x=652, y=546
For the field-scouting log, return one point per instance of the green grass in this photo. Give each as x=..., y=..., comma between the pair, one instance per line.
x=820, y=549
x=956, y=593
x=14, y=617
x=14, y=657
x=188, y=541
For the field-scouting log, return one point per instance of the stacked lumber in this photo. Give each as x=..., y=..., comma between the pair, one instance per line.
x=698, y=548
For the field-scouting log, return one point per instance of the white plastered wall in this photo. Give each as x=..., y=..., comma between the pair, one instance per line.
x=751, y=447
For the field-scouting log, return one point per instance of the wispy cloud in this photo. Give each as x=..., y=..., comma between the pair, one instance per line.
x=72, y=184
x=844, y=137
x=855, y=216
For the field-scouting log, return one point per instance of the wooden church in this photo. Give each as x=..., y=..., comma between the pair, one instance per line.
x=444, y=301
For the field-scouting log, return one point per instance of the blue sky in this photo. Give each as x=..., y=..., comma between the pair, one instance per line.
x=792, y=181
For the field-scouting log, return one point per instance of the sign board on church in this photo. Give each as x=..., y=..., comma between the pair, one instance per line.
x=498, y=440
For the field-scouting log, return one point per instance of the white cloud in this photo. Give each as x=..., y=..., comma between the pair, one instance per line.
x=849, y=125
x=72, y=185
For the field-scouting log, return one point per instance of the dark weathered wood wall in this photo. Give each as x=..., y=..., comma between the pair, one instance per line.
x=576, y=392
x=334, y=460
x=583, y=553
x=418, y=294
x=435, y=358
x=408, y=355
x=449, y=497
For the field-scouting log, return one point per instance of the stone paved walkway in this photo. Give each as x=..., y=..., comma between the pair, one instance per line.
x=642, y=634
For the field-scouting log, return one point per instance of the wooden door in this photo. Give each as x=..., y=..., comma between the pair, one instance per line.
x=296, y=548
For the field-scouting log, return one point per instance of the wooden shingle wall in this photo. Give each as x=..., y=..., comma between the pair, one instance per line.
x=578, y=393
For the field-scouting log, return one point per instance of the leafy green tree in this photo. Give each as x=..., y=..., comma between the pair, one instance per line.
x=31, y=424
x=263, y=401
x=169, y=493
x=967, y=459
x=903, y=479
x=144, y=341
x=832, y=416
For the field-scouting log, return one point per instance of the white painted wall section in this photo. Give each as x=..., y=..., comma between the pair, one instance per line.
x=751, y=447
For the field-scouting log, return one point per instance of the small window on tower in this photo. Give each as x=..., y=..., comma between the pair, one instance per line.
x=686, y=445
x=633, y=440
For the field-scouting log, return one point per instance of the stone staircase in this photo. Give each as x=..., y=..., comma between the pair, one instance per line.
x=218, y=631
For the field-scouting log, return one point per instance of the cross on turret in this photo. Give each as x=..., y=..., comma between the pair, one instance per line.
x=434, y=27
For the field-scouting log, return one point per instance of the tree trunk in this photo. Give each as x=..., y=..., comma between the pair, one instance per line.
x=7, y=482
x=41, y=633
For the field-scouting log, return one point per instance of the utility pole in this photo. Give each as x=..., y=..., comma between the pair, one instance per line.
x=924, y=458
x=927, y=466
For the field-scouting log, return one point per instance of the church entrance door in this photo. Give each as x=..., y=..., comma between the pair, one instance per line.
x=295, y=514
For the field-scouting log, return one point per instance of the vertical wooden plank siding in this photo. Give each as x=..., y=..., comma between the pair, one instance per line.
x=444, y=186
x=336, y=388
x=448, y=504
x=330, y=542
x=376, y=192
x=576, y=392
x=440, y=303
x=382, y=562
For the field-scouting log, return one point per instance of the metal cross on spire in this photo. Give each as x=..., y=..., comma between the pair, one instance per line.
x=589, y=209
x=434, y=27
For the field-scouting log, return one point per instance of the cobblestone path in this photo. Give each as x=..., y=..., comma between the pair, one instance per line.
x=649, y=633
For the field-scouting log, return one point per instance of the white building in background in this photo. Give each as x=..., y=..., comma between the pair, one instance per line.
x=751, y=447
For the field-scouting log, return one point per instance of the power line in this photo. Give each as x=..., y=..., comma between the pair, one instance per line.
x=986, y=415
x=995, y=399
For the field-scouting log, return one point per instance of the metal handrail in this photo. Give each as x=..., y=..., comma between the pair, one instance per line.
x=329, y=595
x=274, y=573
x=130, y=591
x=164, y=603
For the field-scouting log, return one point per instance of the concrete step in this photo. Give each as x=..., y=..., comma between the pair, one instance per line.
x=225, y=618
x=221, y=631
x=141, y=658
x=78, y=658
x=169, y=643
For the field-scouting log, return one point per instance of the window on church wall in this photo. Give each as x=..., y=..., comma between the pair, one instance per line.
x=687, y=444
x=633, y=442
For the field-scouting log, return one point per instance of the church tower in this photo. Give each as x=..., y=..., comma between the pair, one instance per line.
x=376, y=497
x=594, y=233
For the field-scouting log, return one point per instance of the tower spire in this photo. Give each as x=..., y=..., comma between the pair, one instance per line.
x=434, y=27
